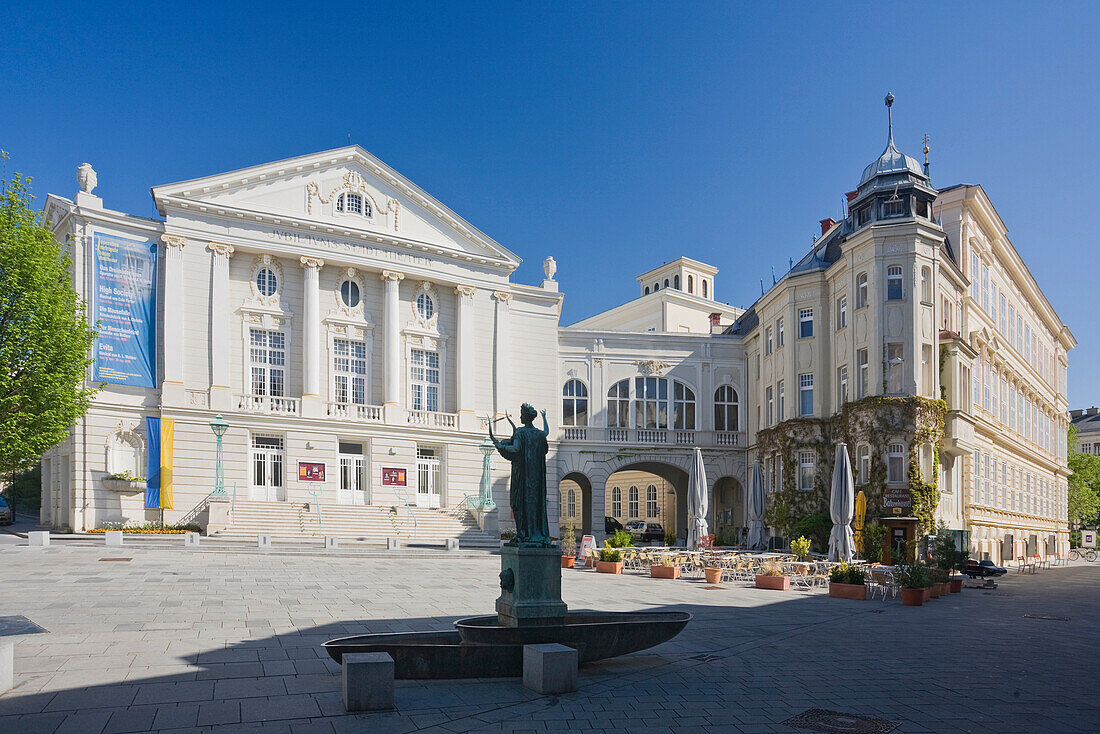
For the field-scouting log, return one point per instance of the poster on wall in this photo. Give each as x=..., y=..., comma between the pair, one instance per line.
x=124, y=306
x=394, y=476
x=311, y=471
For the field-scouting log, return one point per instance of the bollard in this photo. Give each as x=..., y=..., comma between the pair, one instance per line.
x=40, y=538
x=393, y=543
x=113, y=538
x=451, y=544
x=7, y=666
x=368, y=681
x=263, y=541
x=550, y=668
x=190, y=540
x=331, y=542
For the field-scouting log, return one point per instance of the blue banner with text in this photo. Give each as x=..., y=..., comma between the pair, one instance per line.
x=124, y=305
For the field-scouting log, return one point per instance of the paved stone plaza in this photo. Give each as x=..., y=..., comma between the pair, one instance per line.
x=175, y=640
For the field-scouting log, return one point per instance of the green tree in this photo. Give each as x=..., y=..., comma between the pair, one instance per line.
x=1084, y=484
x=45, y=338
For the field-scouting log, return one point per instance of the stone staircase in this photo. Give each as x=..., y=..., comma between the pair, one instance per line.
x=371, y=524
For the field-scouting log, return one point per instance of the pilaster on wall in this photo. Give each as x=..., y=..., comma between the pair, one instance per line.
x=500, y=352
x=464, y=359
x=311, y=338
x=393, y=411
x=171, y=388
x=221, y=391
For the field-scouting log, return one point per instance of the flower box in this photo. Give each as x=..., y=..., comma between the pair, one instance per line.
x=912, y=597
x=664, y=572
x=609, y=566
x=713, y=575
x=775, y=583
x=568, y=561
x=956, y=585
x=926, y=593
x=934, y=590
x=855, y=592
x=124, y=485
x=945, y=588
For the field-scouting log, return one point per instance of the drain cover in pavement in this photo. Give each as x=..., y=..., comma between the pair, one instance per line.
x=834, y=721
x=1046, y=616
x=116, y=559
x=19, y=625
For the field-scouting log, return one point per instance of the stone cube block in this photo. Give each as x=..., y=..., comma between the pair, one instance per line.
x=7, y=666
x=39, y=538
x=393, y=543
x=190, y=540
x=331, y=541
x=368, y=681
x=113, y=538
x=263, y=541
x=451, y=544
x=550, y=668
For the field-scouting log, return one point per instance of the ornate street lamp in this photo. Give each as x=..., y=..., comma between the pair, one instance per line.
x=219, y=426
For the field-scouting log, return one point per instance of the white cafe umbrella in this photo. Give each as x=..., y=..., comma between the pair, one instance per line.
x=756, y=508
x=842, y=502
x=697, y=500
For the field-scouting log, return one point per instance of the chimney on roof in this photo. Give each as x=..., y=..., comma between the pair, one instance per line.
x=716, y=319
x=1076, y=414
x=851, y=196
x=1092, y=411
x=827, y=224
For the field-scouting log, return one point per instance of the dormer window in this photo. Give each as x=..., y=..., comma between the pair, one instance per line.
x=349, y=203
x=893, y=207
x=863, y=216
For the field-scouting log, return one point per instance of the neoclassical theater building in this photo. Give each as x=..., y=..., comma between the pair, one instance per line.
x=357, y=337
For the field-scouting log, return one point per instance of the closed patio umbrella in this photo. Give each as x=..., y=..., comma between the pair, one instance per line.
x=697, y=500
x=756, y=508
x=842, y=502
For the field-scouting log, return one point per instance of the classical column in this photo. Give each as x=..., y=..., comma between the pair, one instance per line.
x=172, y=386
x=391, y=306
x=500, y=352
x=311, y=337
x=220, y=382
x=464, y=358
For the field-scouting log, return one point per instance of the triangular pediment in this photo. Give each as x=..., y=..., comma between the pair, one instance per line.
x=347, y=192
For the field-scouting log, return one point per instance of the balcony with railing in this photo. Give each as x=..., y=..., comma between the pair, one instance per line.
x=651, y=436
x=354, y=412
x=271, y=404
x=433, y=419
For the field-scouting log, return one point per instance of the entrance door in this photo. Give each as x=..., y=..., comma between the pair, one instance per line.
x=267, y=469
x=353, y=485
x=429, y=491
x=898, y=536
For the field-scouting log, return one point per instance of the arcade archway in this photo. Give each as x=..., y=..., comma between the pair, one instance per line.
x=649, y=491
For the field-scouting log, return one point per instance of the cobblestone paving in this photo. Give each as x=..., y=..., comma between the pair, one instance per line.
x=179, y=641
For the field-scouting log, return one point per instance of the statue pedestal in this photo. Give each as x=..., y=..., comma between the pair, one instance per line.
x=530, y=586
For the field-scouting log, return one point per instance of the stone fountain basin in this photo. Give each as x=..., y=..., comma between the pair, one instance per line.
x=481, y=648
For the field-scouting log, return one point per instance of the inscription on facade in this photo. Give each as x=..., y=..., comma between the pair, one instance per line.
x=327, y=243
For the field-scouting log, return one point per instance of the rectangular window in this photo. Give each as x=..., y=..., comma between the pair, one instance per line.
x=683, y=407
x=864, y=462
x=806, y=394
x=806, y=469
x=993, y=303
x=805, y=323
x=618, y=405
x=894, y=290
x=864, y=373
x=651, y=501
x=927, y=367
x=1001, y=315
x=779, y=406
x=842, y=313
x=964, y=385
x=861, y=291
x=1012, y=325
x=267, y=362
x=985, y=287
x=349, y=371
x=650, y=402
x=767, y=340
x=893, y=207
x=423, y=380
x=945, y=314
x=1020, y=334
x=987, y=375
x=975, y=276
x=1027, y=343
x=768, y=406
x=895, y=463
x=632, y=502
x=841, y=386
x=778, y=333
x=895, y=366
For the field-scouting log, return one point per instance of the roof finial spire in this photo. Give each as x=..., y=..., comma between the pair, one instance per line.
x=890, y=116
x=926, y=141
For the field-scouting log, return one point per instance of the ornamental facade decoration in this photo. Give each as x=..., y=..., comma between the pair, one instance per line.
x=353, y=183
x=260, y=298
x=425, y=307
x=358, y=292
x=220, y=248
x=652, y=366
x=173, y=240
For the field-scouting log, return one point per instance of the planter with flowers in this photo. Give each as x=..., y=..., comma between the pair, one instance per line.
x=665, y=568
x=771, y=577
x=611, y=560
x=847, y=582
x=913, y=579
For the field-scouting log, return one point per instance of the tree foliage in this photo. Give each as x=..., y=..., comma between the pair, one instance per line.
x=45, y=338
x=1084, y=484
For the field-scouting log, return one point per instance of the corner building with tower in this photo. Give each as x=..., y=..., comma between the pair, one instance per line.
x=357, y=336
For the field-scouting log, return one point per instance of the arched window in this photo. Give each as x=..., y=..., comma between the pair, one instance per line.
x=571, y=503
x=705, y=289
x=425, y=306
x=266, y=282
x=683, y=407
x=353, y=204
x=618, y=405
x=632, y=503
x=646, y=291
x=926, y=285
x=574, y=404
x=861, y=290
x=656, y=287
x=894, y=290
x=666, y=282
x=725, y=409
x=691, y=284
x=676, y=281
x=651, y=501
x=616, y=502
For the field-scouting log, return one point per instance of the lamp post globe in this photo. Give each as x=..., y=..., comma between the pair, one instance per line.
x=219, y=426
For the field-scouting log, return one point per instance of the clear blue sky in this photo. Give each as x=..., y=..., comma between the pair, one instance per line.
x=614, y=136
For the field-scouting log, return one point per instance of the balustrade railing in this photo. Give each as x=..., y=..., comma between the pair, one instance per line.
x=651, y=436
x=269, y=404
x=433, y=419
x=355, y=412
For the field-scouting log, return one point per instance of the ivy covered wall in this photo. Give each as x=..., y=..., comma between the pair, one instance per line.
x=875, y=421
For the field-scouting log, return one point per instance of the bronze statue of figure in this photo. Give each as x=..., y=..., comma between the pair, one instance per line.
x=527, y=449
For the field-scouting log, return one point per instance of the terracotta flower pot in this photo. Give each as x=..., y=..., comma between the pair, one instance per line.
x=609, y=566
x=956, y=586
x=713, y=575
x=934, y=590
x=945, y=588
x=775, y=583
x=912, y=597
x=926, y=593
x=568, y=561
x=664, y=572
x=855, y=592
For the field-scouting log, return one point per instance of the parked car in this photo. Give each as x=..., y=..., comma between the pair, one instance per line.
x=6, y=514
x=647, y=532
x=984, y=569
x=611, y=525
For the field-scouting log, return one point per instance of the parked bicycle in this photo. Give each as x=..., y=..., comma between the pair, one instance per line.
x=1077, y=554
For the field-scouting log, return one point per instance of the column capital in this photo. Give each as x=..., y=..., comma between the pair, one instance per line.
x=312, y=262
x=502, y=296
x=220, y=248
x=466, y=291
x=173, y=240
x=392, y=275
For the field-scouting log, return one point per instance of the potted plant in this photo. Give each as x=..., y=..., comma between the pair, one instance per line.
x=665, y=568
x=568, y=545
x=847, y=582
x=611, y=560
x=123, y=481
x=771, y=577
x=912, y=578
x=801, y=548
x=670, y=539
x=713, y=575
x=506, y=537
x=960, y=558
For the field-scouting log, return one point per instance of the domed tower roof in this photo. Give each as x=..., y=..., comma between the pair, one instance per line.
x=892, y=161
